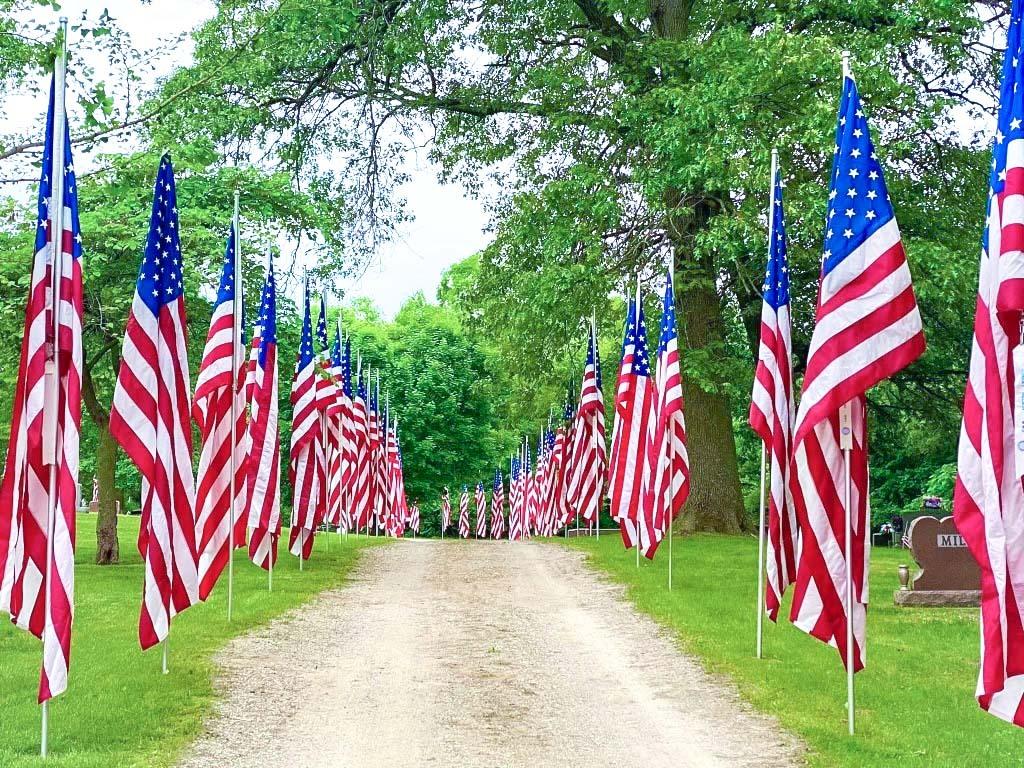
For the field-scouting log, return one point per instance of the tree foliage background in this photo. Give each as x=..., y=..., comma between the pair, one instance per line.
x=618, y=134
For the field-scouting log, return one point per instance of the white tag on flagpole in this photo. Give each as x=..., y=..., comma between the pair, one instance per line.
x=846, y=427
x=1018, y=409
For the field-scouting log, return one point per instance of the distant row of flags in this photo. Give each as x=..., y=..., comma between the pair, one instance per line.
x=564, y=487
x=345, y=454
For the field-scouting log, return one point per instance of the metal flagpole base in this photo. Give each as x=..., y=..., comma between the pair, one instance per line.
x=45, y=730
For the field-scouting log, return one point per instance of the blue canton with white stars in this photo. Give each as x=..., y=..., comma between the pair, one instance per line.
x=594, y=358
x=497, y=479
x=1010, y=125
x=46, y=187
x=306, y=340
x=346, y=375
x=776, y=276
x=321, y=326
x=268, y=316
x=160, y=278
x=226, y=291
x=337, y=356
x=858, y=200
x=636, y=334
x=361, y=387
x=668, y=315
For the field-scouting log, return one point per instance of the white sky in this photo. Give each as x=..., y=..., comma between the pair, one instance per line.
x=447, y=227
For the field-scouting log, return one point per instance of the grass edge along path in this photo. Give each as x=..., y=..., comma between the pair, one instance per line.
x=915, y=699
x=119, y=709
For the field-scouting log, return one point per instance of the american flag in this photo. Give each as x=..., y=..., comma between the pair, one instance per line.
x=589, y=459
x=307, y=459
x=498, y=506
x=446, y=510
x=634, y=405
x=395, y=509
x=263, y=481
x=220, y=391
x=515, y=501
x=481, y=512
x=150, y=419
x=326, y=400
x=771, y=408
x=539, y=487
x=668, y=481
x=40, y=598
x=380, y=487
x=361, y=454
x=564, y=511
x=348, y=456
x=464, y=513
x=988, y=501
x=374, y=453
x=334, y=421
x=868, y=328
x=414, y=517
x=529, y=494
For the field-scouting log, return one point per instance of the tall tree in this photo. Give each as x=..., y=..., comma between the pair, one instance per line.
x=635, y=130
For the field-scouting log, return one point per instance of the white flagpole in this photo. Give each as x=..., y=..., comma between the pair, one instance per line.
x=270, y=550
x=670, y=511
x=760, y=560
x=600, y=495
x=166, y=644
x=846, y=444
x=236, y=313
x=761, y=515
x=636, y=529
x=52, y=378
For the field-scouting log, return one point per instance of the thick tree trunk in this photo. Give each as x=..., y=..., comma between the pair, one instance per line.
x=107, y=552
x=716, y=501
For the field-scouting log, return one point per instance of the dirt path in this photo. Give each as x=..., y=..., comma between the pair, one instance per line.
x=475, y=655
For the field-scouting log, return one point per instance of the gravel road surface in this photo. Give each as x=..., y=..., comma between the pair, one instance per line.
x=475, y=655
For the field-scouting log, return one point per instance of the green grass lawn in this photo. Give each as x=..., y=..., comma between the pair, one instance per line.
x=915, y=705
x=119, y=709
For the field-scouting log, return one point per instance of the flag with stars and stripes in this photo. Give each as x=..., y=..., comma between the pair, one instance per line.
x=446, y=510
x=307, y=459
x=414, y=517
x=668, y=476
x=263, y=478
x=220, y=393
x=515, y=501
x=334, y=422
x=361, y=509
x=150, y=419
x=867, y=328
x=771, y=409
x=588, y=454
x=634, y=404
x=498, y=506
x=481, y=512
x=348, y=454
x=988, y=501
x=464, y=513
x=46, y=424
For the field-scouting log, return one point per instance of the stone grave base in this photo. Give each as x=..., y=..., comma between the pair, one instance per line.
x=937, y=598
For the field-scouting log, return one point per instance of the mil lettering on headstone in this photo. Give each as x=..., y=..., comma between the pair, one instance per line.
x=948, y=574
